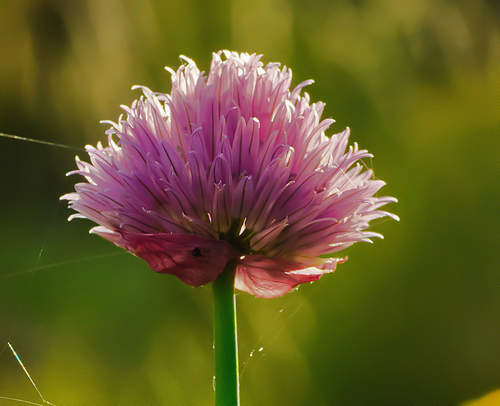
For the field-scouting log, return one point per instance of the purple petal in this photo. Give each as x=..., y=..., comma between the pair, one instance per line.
x=233, y=154
x=273, y=277
x=194, y=260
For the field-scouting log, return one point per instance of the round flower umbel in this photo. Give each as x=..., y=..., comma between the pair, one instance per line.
x=230, y=167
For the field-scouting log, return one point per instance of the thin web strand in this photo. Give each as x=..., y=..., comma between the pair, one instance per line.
x=380, y=221
x=58, y=264
x=20, y=362
x=52, y=144
x=258, y=349
x=369, y=167
x=27, y=402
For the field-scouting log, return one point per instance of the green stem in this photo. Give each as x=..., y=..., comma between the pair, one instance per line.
x=225, y=341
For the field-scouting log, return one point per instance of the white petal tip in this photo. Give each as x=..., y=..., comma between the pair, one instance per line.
x=68, y=196
x=76, y=216
x=101, y=230
x=184, y=58
x=169, y=70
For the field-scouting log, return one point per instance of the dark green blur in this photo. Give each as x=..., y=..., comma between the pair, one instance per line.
x=412, y=320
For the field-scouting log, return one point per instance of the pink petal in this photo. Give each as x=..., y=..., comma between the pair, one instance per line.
x=273, y=277
x=194, y=260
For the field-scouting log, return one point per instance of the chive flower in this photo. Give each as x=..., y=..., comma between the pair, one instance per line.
x=230, y=167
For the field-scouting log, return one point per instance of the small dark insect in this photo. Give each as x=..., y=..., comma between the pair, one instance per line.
x=196, y=252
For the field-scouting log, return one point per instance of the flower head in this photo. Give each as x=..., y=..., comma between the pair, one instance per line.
x=229, y=166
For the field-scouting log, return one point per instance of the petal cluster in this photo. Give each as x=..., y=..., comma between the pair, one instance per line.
x=229, y=166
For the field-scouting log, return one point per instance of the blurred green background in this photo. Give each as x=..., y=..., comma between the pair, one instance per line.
x=412, y=320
